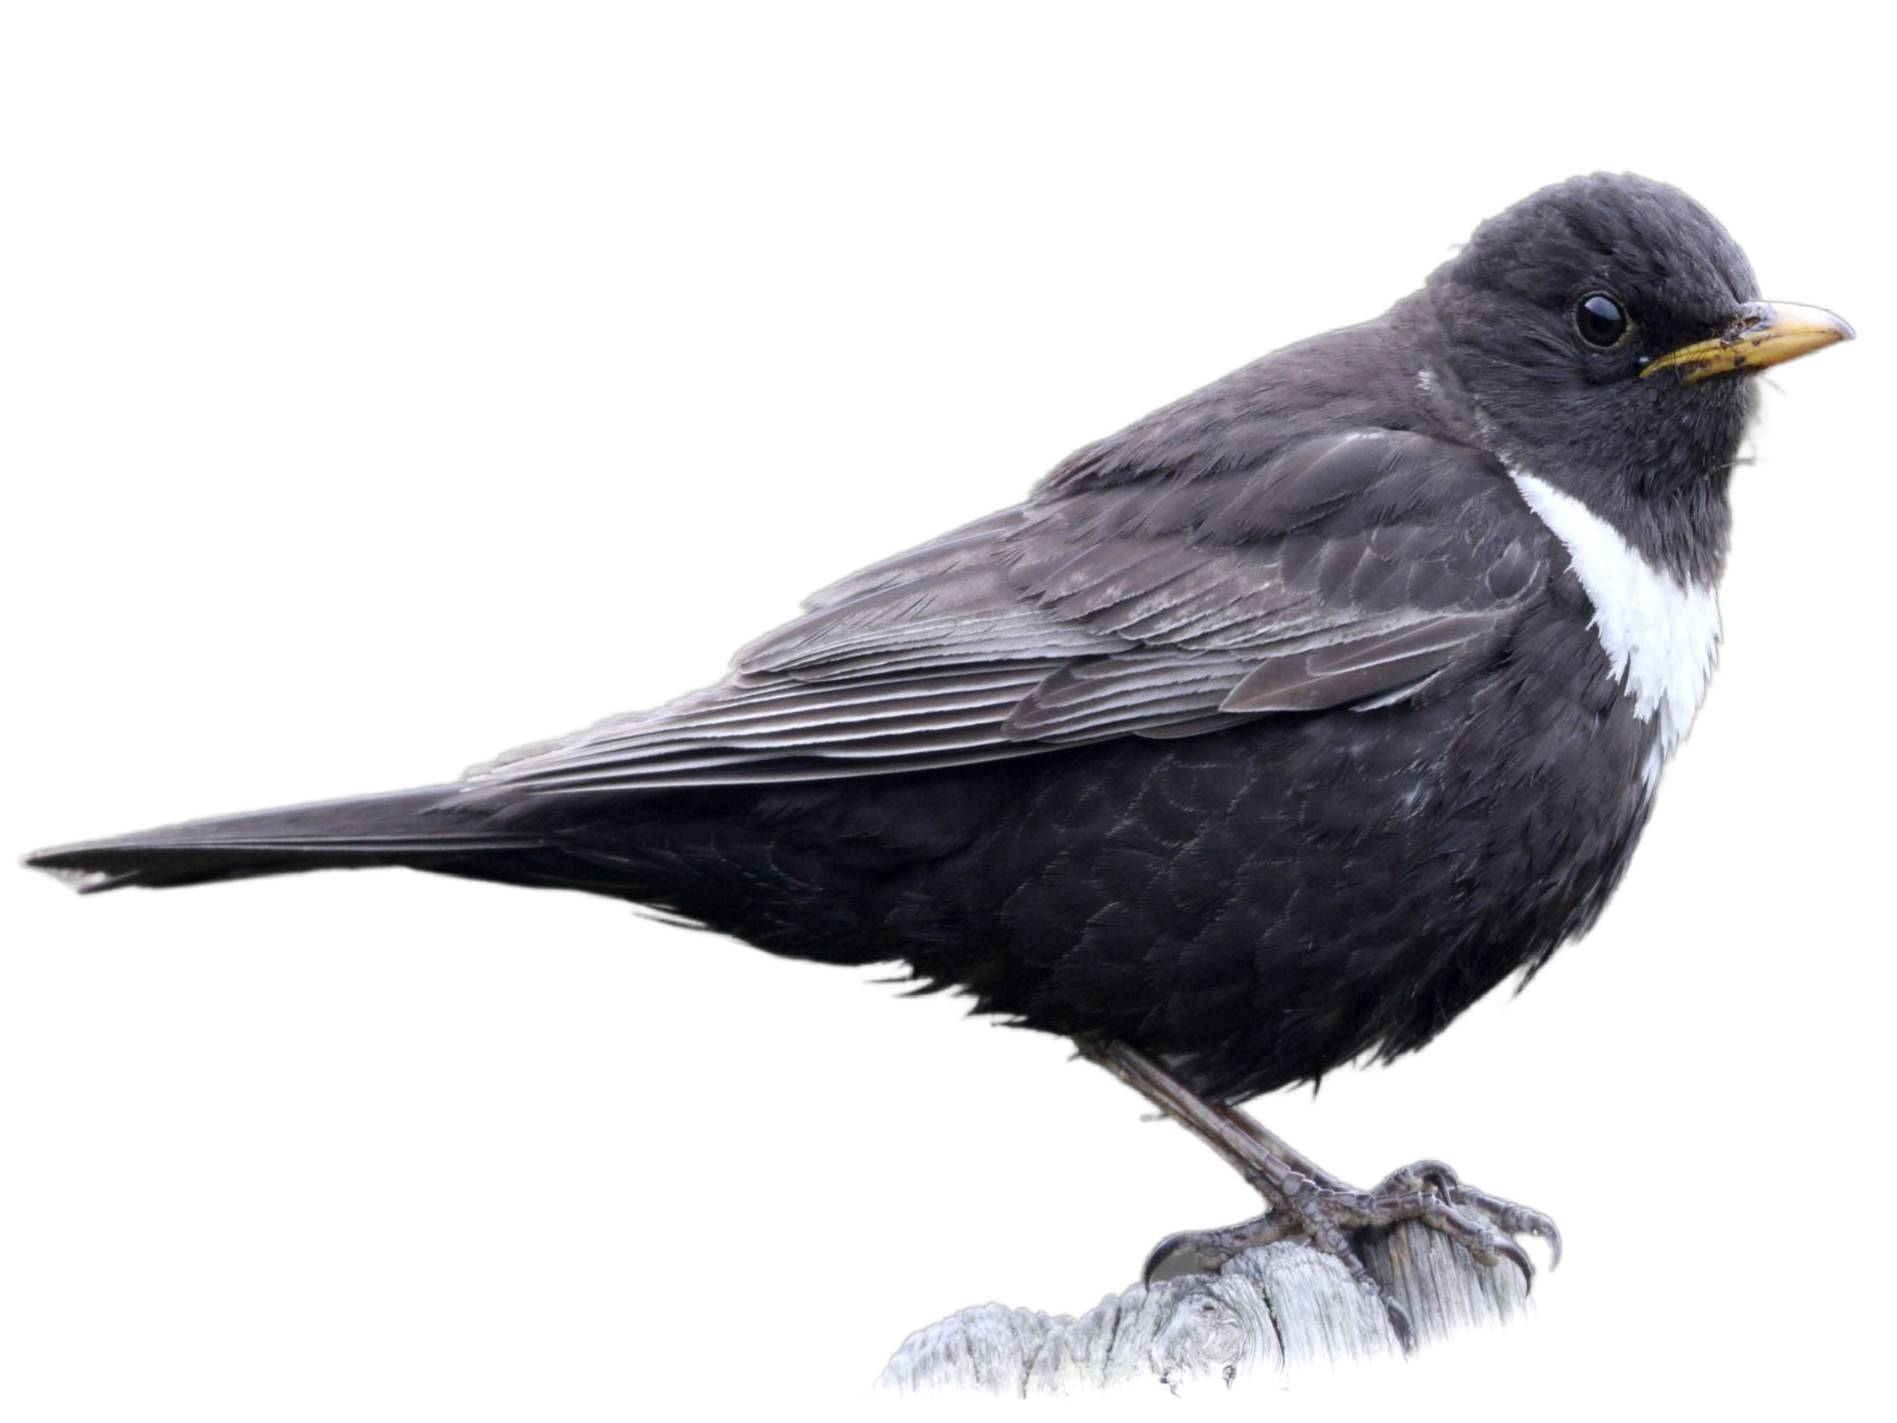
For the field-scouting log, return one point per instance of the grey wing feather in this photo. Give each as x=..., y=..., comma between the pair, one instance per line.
x=1350, y=570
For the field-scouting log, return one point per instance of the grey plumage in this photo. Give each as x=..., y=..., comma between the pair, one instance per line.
x=1269, y=732
x=1328, y=576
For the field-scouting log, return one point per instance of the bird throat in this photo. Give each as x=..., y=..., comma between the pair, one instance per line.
x=1660, y=633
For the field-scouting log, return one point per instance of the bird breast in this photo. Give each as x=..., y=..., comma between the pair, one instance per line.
x=1661, y=635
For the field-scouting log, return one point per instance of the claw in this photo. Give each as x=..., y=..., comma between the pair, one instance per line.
x=1167, y=1252
x=1439, y=1174
x=1511, y=1250
x=1202, y=1252
x=1428, y=1174
x=1516, y=1220
x=1399, y=1322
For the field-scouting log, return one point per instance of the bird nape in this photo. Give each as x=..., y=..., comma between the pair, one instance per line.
x=1266, y=734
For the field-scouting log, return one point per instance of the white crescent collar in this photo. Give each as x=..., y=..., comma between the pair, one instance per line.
x=1661, y=635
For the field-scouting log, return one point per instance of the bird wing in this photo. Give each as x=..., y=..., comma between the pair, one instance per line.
x=1347, y=570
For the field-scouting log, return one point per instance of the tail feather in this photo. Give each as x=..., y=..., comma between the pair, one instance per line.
x=429, y=828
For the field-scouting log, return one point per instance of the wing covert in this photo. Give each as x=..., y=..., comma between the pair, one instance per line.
x=1348, y=570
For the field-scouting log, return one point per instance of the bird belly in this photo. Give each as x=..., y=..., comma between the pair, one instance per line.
x=1264, y=904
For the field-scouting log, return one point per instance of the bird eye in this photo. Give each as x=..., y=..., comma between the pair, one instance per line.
x=1601, y=320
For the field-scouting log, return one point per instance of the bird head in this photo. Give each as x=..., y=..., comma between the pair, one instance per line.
x=1605, y=330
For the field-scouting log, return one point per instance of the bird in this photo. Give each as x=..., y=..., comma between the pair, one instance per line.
x=1261, y=737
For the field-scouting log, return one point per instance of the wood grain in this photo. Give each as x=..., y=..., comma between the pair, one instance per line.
x=1270, y=1312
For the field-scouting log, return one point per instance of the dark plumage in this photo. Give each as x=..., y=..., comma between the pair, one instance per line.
x=1271, y=731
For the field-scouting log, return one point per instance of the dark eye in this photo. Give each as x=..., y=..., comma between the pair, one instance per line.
x=1601, y=320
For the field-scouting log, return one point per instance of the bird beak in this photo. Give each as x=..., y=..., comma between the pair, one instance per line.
x=1760, y=334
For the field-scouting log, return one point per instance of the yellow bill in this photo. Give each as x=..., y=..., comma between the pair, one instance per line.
x=1762, y=333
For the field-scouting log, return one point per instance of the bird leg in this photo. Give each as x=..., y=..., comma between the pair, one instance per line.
x=1308, y=1202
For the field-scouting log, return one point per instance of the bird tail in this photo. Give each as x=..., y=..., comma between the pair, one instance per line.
x=428, y=829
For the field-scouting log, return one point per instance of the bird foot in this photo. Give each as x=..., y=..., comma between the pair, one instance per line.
x=1329, y=1214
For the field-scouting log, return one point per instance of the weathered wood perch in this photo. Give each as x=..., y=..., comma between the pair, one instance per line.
x=1269, y=1312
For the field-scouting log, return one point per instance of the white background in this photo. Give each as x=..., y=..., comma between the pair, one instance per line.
x=385, y=385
